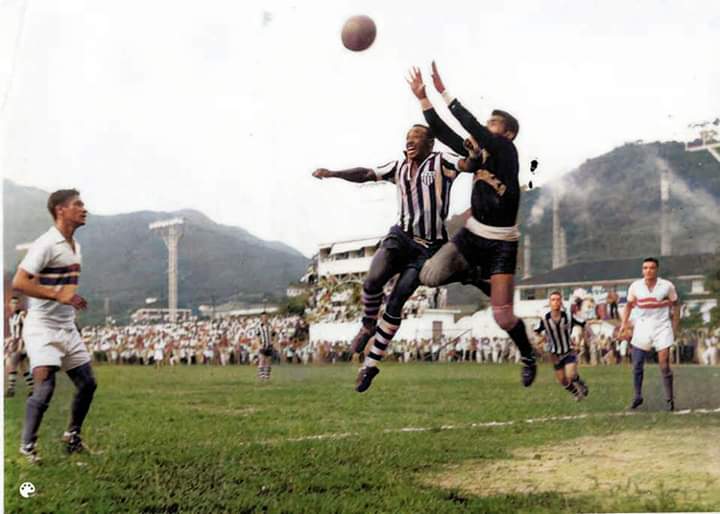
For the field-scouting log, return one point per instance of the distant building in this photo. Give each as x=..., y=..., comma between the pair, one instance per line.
x=236, y=309
x=159, y=315
x=335, y=307
x=347, y=260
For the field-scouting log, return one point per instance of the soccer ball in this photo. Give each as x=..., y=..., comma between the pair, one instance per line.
x=358, y=33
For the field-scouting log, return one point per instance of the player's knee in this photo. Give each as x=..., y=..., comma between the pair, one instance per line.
x=430, y=274
x=504, y=317
x=372, y=284
x=42, y=394
x=89, y=386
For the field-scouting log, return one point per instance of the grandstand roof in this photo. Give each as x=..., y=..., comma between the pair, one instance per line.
x=620, y=270
x=351, y=246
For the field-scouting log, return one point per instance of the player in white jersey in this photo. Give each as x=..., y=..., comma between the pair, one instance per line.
x=16, y=351
x=48, y=276
x=655, y=326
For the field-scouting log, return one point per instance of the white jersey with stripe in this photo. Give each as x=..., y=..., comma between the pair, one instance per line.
x=653, y=306
x=56, y=264
x=423, y=200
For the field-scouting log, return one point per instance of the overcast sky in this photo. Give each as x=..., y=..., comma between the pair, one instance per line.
x=228, y=106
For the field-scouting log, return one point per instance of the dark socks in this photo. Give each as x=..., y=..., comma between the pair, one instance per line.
x=519, y=336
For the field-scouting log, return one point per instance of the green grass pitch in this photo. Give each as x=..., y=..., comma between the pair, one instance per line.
x=211, y=439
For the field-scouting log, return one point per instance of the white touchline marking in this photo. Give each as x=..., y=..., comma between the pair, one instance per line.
x=485, y=424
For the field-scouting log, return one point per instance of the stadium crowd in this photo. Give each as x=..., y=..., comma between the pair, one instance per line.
x=234, y=340
x=335, y=301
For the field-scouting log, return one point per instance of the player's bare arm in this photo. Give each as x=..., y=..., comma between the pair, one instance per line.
x=441, y=130
x=357, y=175
x=468, y=147
x=629, y=306
x=675, y=316
x=29, y=285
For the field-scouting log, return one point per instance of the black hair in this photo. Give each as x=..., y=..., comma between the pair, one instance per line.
x=652, y=259
x=59, y=197
x=428, y=131
x=511, y=122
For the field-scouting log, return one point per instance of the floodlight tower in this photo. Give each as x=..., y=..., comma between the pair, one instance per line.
x=171, y=231
x=527, y=248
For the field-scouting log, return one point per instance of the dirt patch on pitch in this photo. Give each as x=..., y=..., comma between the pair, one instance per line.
x=684, y=464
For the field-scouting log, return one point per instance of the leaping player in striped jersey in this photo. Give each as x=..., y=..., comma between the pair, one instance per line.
x=655, y=327
x=557, y=324
x=423, y=178
x=17, y=353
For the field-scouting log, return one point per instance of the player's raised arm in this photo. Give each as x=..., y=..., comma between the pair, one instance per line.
x=440, y=129
x=492, y=142
x=351, y=175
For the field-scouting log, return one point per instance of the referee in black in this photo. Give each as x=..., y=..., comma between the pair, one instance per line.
x=557, y=324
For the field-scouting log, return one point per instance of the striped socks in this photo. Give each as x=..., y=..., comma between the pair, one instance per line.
x=371, y=306
x=12, y=380
x=29, y=379
x=570, y=388
x=384, y=333
x=264, y=372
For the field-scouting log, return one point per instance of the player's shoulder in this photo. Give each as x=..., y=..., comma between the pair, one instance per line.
x=637, y=283
x=665, y=282
x=47, y=238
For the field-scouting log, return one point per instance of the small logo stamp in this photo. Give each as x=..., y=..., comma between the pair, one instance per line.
x=27, y=489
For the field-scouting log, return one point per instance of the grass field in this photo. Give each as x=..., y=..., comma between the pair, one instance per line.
x=421, y=440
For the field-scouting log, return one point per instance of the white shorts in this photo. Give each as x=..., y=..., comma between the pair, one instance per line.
x=61, y=347
x=647, y=336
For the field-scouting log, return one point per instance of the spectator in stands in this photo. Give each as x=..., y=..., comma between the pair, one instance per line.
x=612, y=303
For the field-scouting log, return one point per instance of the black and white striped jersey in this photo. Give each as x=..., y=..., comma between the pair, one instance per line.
x=423, y=195
x=265, y=333
x=16, y=324
x=558, y=332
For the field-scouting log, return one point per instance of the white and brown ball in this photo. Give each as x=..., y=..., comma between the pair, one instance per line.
x=358, y=33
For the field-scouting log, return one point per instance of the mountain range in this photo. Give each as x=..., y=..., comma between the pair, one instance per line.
x=126, y=262
x=609, y=207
